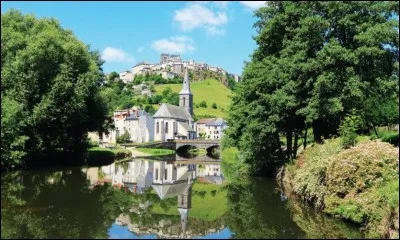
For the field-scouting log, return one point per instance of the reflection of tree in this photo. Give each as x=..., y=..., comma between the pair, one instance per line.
x=316, y=225
x=62, y=208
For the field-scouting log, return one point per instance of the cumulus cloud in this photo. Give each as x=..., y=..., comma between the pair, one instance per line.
x=111, y=54
x=175, y=44
x=253, y=4
x=197, y=15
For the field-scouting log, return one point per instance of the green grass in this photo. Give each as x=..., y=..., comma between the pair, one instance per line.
x=209, y=90
x=98, y=155
x=155, y=151
x=209, y=202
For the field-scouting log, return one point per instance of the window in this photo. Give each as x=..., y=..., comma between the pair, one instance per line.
x=158, y=127
x=217, y=132
x=184, y=102
x=165, y=174
x=166, y=127
x=156, y=173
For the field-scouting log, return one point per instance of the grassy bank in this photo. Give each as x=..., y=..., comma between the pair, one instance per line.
x=234, y=169
x=98, y=155
x=359, y=184
x=210, y=90
x=155, y=151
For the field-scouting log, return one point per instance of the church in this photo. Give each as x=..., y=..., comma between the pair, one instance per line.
x=173, y=122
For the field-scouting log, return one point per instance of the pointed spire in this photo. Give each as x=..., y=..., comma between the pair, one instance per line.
x=186, y=83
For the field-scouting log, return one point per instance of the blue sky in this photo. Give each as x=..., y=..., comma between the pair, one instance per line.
x=217, y=33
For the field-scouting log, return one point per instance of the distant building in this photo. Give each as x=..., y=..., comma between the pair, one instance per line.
x=126, y=76
x=169, y=58
x=214, y=129
x=168, y=75
x=200, y=126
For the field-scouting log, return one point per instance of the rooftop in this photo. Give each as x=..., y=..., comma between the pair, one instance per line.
x=171, y=111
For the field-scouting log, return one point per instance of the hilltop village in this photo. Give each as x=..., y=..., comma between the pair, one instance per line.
x=171, y=66
x=169, y=122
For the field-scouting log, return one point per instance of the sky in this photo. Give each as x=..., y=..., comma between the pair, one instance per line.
x=215, y=32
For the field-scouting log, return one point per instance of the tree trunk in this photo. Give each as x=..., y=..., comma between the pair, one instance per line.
x=280, y=152
x=305, y=139
x=289, y=142
x=296, y=139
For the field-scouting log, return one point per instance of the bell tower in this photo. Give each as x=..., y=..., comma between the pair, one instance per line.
x=185, y=95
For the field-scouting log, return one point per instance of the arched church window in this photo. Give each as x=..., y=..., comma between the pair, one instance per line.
x=166, y=127
x=158, y=127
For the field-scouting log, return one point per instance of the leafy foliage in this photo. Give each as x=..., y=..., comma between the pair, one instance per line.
x=348, y=130
x=124, y=138
x=49, y=87
x=315, y=62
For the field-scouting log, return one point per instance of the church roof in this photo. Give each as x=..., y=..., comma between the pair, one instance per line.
x=170, y=111
x=170, y=190
x=186, y=126
x=186, y=84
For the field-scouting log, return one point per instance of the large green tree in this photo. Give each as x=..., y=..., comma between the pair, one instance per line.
x=49, y=89
x=315, y=63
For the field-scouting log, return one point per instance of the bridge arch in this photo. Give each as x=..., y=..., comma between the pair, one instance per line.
x=212, y=147
x=185, y=147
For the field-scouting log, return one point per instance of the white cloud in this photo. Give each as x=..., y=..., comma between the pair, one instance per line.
x=111, y=54
x=213, y=31
x=253, y=4
x=175, y=44
x=198, y=16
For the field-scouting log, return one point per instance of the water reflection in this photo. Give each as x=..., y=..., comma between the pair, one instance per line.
x=143, y=198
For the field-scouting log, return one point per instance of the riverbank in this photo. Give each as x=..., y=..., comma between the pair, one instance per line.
x=360, y=184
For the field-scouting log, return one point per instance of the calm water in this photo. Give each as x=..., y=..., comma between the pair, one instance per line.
x=154, y=199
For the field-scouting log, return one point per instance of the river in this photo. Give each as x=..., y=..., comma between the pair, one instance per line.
x=147, y=198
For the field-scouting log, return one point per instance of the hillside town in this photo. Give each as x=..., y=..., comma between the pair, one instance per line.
x=168, y=123
x=171, y=66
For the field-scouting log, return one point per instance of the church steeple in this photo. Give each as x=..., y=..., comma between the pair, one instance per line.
x=185, y=95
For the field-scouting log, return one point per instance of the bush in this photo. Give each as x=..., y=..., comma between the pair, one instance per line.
x=214, y=105
x=348, y=130
x=203, y=104
x=124, y=138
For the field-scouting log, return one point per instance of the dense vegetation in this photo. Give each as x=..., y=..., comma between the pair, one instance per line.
x=316, y=62
x=49, y=90
x=360, y=184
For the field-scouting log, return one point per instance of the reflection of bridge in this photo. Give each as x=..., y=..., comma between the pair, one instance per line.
x=196, y=159
x=201, y=144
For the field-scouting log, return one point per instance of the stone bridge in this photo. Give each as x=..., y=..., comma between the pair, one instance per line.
x=197, y=143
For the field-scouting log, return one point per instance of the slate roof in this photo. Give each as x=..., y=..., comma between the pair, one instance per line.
x=170, y=111
x=205, y=120
x=186, y=126
x=133, y=115
x=217, y=122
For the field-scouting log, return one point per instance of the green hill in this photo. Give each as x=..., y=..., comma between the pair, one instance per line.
x=209, y=90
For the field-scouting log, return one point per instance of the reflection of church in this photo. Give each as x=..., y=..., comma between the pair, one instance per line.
x=171, y=180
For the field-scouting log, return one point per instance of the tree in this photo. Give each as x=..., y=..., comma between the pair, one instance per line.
x=50, y=82
x=113, y=76
x=203, y=104
x=348, y=130
x=124, y=138
x=315, y=62
x=214, y=105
